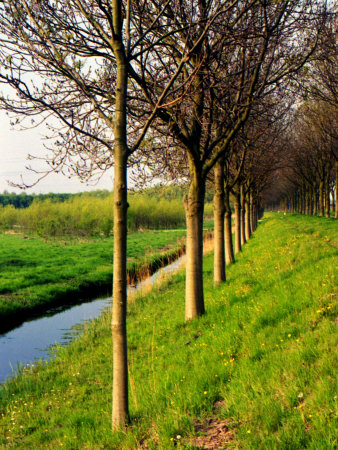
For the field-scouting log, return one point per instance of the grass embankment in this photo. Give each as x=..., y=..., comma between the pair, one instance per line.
x=36, y=273
x=260, y=365
x=315, y=226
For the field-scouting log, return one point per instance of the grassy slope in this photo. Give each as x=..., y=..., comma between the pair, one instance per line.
x=265, y=348
x=35, y=272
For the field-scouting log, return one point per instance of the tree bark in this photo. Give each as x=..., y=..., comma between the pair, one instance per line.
x=120, y=413
x=310, y=199
x=303, y=200
x=238, y=246
x=228, y=230
x=248, y=216
x=327, y=194
x=336, y=204
x=307, y=201
x=119, y=326
x=314, y=195
x=321, y=197
x=243, y=210
x=255, y=216
x=219, y=212
x=252, y=213
x=194, y=205
x=299, y=201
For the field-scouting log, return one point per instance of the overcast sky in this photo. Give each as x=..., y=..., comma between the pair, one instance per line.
x=16, y=145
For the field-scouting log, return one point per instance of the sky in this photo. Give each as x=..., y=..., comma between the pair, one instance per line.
x=15, y=146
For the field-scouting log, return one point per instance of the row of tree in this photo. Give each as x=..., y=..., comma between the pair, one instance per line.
x=307, y=181
x=174, y=88
x=308, y=178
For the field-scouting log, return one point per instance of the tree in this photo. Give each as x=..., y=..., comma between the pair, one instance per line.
x=249, y=48
x=315, y=154
x=321, y=79
x=69, y=63
x=306, y=172
x=109, y=69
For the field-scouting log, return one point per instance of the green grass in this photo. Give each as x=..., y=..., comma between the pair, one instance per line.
x=316, y=226
x=35, y=272
x=265, y=349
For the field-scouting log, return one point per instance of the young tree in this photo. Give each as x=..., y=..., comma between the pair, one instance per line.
x=87, y=68
x=86, y=89
x=249, y=48
x=314, y=146
x=306, y=172
x=226, y=173
x=320, y=83
x=108, y=69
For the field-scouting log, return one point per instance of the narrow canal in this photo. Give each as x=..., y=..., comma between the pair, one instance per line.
x=32, y=340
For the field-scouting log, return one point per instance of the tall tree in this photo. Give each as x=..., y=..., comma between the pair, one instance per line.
x=248, y=48
x=86, y=67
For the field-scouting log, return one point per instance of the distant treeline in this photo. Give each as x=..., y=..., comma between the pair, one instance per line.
x=24, y=200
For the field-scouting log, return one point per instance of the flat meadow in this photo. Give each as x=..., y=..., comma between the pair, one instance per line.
x=61, y=251
x=258, y=370
x=36, y=272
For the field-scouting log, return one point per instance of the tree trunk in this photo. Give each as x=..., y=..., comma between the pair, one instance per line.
x=252, y=213
x=303, y=200
x=321, y=197
x=248, y=216
x=336, y=212
x=327, y=195
x=255, y=215
x=309, y=190
x=219, y=212
x=237, y=222
x=314, y=195
x=194, y=205
x=307, y=201
x=119, y=330
x=120, y=414
x=228, y=230
x=243, y=236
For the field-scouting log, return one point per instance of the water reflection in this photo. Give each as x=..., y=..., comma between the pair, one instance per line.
x=30, y=341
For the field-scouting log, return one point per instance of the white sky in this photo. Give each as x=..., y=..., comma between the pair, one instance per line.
x=15, y=145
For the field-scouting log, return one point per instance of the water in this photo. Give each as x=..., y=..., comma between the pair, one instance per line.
x=32, y=340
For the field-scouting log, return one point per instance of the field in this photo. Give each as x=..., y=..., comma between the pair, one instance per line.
x=36, y=272
x=257, y=371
